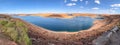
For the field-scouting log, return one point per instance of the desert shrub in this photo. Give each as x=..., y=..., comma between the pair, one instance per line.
x=10, y=24
x=3, y=22
x=118, y=24
x=22, y=32
x=17, y=31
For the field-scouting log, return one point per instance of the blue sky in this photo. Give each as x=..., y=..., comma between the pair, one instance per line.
x=60, y=6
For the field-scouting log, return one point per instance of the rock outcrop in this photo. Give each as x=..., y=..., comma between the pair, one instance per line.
x=110, y=37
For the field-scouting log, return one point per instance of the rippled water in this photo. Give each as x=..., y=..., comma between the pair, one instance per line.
x=59, y=24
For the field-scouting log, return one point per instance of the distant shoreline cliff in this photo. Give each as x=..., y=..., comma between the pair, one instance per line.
x=64, y=15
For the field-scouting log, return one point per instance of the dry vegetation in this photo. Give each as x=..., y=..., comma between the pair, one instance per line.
x=14, y=30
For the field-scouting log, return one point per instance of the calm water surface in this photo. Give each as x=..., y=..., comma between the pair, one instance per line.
x=59, y=24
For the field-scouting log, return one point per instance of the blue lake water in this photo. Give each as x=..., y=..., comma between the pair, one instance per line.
x=59, y=24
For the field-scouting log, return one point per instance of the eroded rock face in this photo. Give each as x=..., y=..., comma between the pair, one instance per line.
x=109, y=38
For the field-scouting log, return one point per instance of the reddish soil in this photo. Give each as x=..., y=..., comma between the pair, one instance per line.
x=41, y=36
x=4, y=40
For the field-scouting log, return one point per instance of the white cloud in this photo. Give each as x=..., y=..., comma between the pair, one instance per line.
x=112, y=11
x=95, y=8
x=74, y=0
x=86, y=2
x=65, y=1
x=71, y=4
x=115, y=5
x=81, y=0
x=97, y=1
x=114, y=8
x=74, y=3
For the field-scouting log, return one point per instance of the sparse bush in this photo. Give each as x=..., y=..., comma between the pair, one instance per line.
x=118, y=24
x=3, y=22
x=23, y=36
x=10, y=24
x=17, y=31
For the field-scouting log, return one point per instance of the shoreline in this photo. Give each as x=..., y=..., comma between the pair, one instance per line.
x=70, y=32
x=39, y=35
x=84, y=37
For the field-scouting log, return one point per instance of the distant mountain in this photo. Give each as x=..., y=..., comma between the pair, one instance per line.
x=60, y=15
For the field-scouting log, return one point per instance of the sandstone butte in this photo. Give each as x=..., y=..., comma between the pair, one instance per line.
x=30, y=34
x=62, y=15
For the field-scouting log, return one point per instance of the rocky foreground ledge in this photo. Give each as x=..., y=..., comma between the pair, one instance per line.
x=29, y=34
